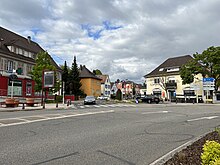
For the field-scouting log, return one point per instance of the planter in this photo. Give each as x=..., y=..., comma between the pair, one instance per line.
x=10, y=102
x=30, y=101
x=16, y=102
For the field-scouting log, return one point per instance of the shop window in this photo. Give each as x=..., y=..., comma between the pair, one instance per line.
x=17, y=88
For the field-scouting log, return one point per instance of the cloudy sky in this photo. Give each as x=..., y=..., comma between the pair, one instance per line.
x=123, y=38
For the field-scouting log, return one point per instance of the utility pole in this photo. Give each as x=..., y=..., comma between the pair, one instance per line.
x=63, y=91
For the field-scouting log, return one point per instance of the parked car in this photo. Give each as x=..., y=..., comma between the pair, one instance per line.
x=89, y=100
x=103, y=98
x=150, y=99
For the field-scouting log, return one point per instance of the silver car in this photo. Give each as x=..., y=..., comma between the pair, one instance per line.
x=89, y=100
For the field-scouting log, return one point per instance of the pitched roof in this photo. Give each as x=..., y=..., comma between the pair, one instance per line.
x=9, y=38
x=86, y=73
x=103, y=77
x=175, y=62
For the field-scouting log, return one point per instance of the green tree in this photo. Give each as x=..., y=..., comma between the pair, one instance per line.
x=207, y=63
x=97, y=72
x=43, y=62
x=74, y=80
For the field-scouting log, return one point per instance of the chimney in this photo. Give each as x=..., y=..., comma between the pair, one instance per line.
x=1, y=42
x=29, y=39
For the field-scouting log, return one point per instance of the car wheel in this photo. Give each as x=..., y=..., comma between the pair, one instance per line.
x=149, y=101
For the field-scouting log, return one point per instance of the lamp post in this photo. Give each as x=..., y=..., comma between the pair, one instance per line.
x=12, y=77
x=63, y=91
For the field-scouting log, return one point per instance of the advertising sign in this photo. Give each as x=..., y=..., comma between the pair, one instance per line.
x=28, y=89
x=48, y=79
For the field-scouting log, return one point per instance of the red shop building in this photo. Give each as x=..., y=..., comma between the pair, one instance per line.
x=18, y=54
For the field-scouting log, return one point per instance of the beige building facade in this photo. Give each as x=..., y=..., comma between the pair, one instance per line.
x=165, y=81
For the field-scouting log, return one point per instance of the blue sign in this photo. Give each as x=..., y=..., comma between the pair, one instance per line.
x=209, y=79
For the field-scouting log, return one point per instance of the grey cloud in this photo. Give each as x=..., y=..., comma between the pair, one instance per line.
x=152, y=30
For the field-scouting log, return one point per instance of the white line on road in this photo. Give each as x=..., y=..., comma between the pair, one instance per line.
x=52, y=118
x=203, y=118
x=155, y=112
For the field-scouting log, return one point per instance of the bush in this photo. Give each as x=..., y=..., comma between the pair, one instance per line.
x=211, y=153
x=217, y=162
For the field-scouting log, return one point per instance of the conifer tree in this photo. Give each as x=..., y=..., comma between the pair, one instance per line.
x=65, y=77
x=74, y=80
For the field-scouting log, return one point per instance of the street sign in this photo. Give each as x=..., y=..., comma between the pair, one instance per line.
x=209, y=79
x=208, y=83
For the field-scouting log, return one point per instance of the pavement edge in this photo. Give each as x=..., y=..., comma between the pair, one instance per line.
x=169, y=155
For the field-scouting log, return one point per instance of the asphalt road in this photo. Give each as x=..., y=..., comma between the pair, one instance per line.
x=137, y=134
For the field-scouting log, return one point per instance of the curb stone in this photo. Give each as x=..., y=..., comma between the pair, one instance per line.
x=169, y=155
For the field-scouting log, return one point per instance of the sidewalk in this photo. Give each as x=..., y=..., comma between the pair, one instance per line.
x=38, y=107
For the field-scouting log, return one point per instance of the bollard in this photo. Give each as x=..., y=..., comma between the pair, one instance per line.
x=67, y=102
x=23, y=107
x=56, y=104
x=44, y=105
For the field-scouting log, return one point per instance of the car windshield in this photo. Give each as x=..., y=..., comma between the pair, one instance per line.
x=89, y=97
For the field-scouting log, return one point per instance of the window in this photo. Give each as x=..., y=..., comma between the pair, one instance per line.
x=156, y=80
x=20, y=51
x=173, y=69
x=1, y=63
x=21, y=67
x=29, y=68
x=10, y=66
x=5, y=64
x=9, y=48
x=26, y=53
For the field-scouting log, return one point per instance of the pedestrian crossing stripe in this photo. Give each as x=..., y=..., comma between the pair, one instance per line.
x=106, y=106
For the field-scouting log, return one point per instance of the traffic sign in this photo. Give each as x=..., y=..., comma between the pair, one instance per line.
x=209, y=79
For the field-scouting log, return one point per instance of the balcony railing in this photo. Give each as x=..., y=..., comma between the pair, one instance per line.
x=171, y=85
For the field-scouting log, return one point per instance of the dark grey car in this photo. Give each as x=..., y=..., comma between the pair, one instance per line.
x=151, y=99
x=89, y=100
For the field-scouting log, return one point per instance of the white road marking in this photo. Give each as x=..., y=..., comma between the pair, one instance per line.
x=112, y=105
x=97, y=106
x=52, y=118
x=203, y=118
x=103, y=106
x=87, y=106
x=82, y=107
x=145, y=113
